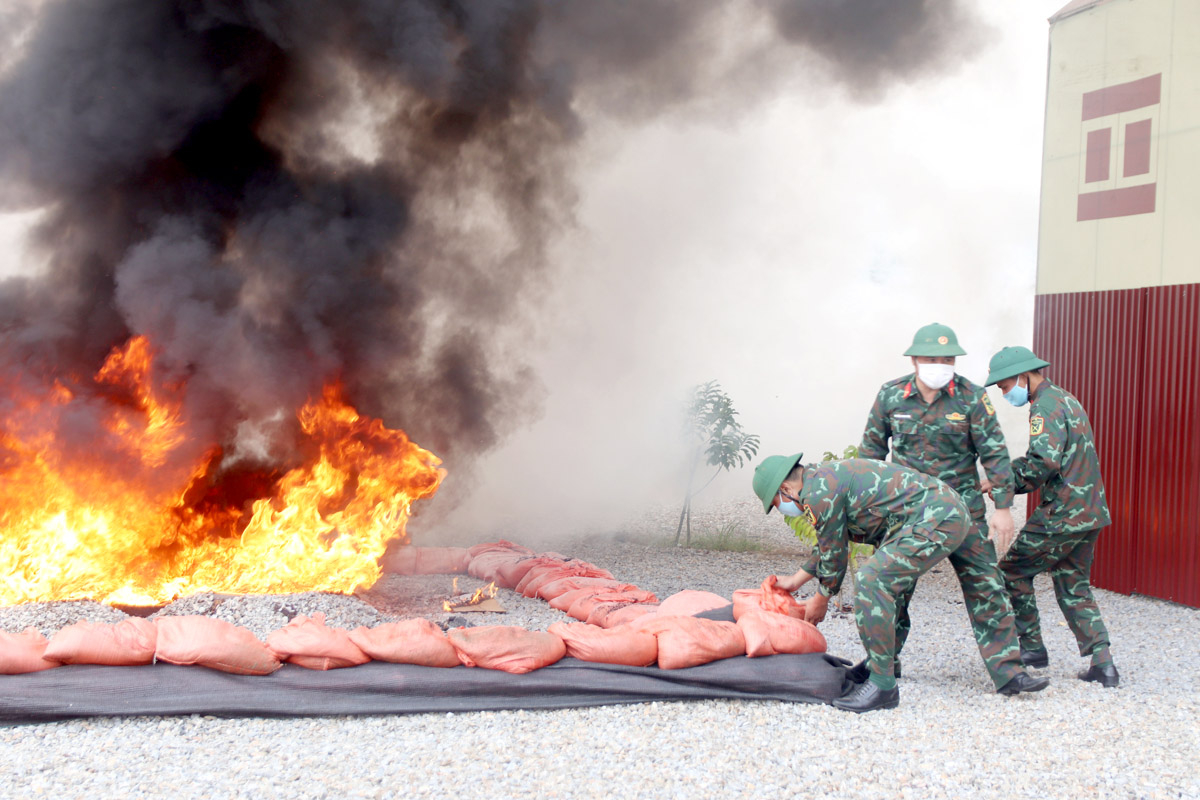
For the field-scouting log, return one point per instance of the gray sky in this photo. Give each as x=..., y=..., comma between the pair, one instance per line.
x=789, y=253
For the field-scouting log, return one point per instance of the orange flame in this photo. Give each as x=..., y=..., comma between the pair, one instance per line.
x=125, y=519
x=477, y=597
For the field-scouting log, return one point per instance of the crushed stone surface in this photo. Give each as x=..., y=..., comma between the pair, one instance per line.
x=951, y=737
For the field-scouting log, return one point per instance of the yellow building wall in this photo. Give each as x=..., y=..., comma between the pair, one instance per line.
x=1112, y=44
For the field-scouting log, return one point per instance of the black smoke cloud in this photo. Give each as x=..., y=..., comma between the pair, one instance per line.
x=282, y=193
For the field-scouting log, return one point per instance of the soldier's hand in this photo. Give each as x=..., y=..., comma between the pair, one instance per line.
x=790, y=583
x=986, y=486
x=814, y=609
x=1003, y=529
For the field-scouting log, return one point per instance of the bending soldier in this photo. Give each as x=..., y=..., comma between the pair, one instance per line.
x=913, y=521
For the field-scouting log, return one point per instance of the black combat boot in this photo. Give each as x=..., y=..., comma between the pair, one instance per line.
x=1107, y=676
x=1024, y=682
x=868, y=697
x=1035, y=658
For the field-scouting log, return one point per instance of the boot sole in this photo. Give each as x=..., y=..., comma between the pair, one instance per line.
x=1039, y=685
x=888, y=704
x=1102, y=682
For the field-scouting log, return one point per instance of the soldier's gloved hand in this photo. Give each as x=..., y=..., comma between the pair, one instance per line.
x=1003, y=529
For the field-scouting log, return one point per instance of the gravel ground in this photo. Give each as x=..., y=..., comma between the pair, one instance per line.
x=952, y=736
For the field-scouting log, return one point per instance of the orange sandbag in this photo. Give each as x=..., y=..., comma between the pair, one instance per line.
x=563, y=601
x=506, y=647
x=553, y=589
x=23, y=652
x=573, y=569
x=768, y=633
x=128, y=643
x=401, y=561
x=621, y=614
x=213, y=643
x=615, y=646
x=767, y=597
x=583, y=606
x=488, y=565
x=425, y=561
x=413, y=641
x=692, y=641
x=496, y=546
x=535, y=572
x=308, y=642
x=442, y=560
x=756, y=632
x=690, y=602
x=511, y=575
x=537, y=569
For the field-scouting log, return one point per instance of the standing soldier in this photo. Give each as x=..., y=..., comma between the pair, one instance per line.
x=941, y=424
x=913, y=521
x=1060, y=537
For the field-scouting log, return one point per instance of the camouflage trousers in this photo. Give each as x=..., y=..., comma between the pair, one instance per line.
x=987, y=602
x=1068, y=559
x=890, y=574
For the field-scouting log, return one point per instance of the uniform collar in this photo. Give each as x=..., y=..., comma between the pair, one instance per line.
x=1033, y=393
x=910, y=388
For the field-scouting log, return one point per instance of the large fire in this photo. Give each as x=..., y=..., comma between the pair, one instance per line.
x=74, y=524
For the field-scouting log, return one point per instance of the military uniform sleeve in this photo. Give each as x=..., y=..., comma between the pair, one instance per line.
x=876, y=434
x=993, y=452
x=805, y=532
x=1047, y=437
x=832, y=543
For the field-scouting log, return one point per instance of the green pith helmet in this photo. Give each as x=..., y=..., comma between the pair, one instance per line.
x=1012, y=361
x=935, y=340
x=770, y=474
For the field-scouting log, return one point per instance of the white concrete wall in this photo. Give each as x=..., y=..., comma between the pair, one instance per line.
x=1114, y=43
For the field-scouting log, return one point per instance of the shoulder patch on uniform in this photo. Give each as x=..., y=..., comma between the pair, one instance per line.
x=809, y=515
x=956, y=417
x=987, y=405
x=1036, y=425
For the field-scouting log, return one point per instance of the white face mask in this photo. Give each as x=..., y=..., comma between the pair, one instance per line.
x=935, y=376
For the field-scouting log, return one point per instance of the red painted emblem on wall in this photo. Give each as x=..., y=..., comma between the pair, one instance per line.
x=1120, y=154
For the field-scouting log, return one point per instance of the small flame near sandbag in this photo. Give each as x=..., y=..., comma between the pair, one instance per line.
x=482, y=599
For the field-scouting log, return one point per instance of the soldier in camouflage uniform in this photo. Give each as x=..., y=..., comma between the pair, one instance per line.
x=1060, y=536
x=940, y=423
x=913, y=521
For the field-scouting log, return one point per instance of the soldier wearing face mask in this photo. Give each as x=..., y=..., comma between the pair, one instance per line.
x=1060, y=536
x=941, y=424
x=913, y=521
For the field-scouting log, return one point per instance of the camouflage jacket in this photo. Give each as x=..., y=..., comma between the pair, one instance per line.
x=1062, y=463
x=868, y=501
x=942, y=438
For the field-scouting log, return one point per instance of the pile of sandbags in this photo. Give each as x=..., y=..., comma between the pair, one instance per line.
x=618, y=624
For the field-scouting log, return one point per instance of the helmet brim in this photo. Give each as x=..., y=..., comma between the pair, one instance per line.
x=1013, y=370
x=935, y=350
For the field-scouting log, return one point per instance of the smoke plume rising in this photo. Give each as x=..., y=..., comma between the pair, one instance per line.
x=279, y=194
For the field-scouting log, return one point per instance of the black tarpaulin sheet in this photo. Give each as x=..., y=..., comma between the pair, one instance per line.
x=381, y=688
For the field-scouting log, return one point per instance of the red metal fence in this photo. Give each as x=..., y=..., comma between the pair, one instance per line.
x=1132, y=357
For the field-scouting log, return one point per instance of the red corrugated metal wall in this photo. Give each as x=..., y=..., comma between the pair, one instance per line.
x=1132, y=358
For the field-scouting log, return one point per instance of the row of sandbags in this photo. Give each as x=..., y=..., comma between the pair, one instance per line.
x=671, y=641
x=620, y=624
